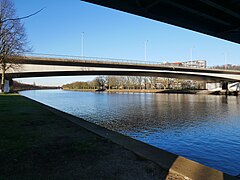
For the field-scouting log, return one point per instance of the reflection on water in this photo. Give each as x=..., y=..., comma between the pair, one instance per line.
x=202, y=128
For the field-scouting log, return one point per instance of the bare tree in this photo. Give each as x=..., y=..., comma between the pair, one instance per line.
x=133, y=82
x=145, y=82
x=101, y=81
x=121, y=82
x=13, y=41
x=128, y=82
x=111, y=81
x=165, y=83
x=139, y=82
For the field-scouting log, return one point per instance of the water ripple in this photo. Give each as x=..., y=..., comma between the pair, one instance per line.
x=202, y=128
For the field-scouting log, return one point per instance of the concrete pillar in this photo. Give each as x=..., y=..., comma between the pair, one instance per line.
x=225, y=87
x=6, y=87
x=238, y=87
x=212, y=86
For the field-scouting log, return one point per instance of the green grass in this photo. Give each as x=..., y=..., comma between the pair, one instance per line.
x=34, y=141
x=15, y=112
x=37, y=144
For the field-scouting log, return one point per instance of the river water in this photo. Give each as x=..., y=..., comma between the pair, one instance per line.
x=203, y=128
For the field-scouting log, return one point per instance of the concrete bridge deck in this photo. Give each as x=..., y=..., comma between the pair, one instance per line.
x=110, y=63
x=33, y=66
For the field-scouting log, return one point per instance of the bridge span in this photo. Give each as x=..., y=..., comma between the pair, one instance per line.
x=34, y=66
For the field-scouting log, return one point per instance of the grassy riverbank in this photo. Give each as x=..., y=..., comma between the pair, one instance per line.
x=37, y=144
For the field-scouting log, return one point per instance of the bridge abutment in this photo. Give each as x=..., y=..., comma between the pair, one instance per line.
x=6, y=88
x=225, y=87
x=7, y=84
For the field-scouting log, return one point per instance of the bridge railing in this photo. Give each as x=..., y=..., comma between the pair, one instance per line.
x=99, y=59
x=86, y=58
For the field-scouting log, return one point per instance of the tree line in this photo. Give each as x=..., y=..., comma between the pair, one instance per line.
x=227, y=66
x=134, y=82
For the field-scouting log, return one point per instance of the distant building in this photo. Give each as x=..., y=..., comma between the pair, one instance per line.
x=192, y=64
x=177, y=64
x=195, y=64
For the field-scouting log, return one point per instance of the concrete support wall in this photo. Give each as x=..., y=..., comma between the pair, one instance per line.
x=6, y=86
x=213, y=86
x=221, y=86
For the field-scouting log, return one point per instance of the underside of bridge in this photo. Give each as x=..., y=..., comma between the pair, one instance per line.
x=197, y=77
x=219, y=18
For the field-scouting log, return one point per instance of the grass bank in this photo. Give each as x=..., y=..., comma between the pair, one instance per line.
x=37, y=144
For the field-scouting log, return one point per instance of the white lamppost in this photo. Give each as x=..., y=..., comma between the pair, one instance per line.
x=146, y=49
x=82, y=43
x=225, y=59
x=191, y=54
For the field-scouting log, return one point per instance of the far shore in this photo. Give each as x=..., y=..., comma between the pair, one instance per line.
x=17, y=86
x=162, y=91
x=138, y=91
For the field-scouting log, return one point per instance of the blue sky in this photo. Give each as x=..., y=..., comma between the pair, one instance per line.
x=110, y=33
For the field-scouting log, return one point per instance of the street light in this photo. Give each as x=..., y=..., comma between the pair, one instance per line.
x=225, y=60
x=82, y=41
x=146, y=49
x=191, y=53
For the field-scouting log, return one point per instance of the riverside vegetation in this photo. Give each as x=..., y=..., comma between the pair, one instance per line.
x=134, y=83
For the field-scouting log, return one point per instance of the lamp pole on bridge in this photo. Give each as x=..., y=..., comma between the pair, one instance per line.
x=225, y=61
x=146, y=50
x=191, y=54
x=82, y=42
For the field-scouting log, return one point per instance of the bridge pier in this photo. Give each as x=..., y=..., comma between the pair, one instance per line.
x=6, y=88
x=7, y=84
x=225, y=87
x=237, y=89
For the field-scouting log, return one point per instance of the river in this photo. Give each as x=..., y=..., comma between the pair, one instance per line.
x=203, y=128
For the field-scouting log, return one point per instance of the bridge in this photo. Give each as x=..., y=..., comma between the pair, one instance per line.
x=215, y=18
x=219, y=19
x=58, y=65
